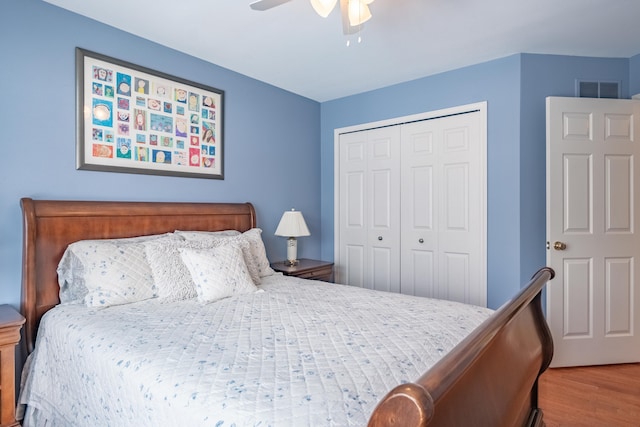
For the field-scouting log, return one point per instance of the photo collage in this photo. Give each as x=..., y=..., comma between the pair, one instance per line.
x=139, y=120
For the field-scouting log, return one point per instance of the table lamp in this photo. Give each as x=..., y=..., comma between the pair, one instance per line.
x=292, y=225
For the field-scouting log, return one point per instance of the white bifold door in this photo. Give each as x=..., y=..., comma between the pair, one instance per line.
x=370, y=209
x=411, y=208
x=442, y=212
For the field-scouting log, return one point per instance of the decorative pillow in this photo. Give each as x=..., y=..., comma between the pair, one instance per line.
x=82, y=260
x=255, y=256
x=244, y=244
x=218, y=272
x=170, y=274
x=258, y=252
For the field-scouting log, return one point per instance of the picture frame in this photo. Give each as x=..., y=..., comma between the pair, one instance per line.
x=133, y=119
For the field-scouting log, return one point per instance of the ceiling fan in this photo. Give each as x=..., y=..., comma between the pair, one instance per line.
x=354, y=12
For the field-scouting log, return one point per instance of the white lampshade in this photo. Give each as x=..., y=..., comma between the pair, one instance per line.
x=359, y=12
x=292, y=225
x=323, y=7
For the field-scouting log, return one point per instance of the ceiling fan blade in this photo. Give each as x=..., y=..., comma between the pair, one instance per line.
x=266, y=4
x=346, y=26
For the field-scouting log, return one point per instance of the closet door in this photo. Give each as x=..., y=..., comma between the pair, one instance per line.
x=419, y=210
x=443, y=209
x=369, y=209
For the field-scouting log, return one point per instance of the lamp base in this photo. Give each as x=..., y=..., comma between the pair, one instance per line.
x=292, y=251
x=291, y=262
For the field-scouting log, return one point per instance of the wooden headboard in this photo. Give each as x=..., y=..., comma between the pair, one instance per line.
x=50, y=226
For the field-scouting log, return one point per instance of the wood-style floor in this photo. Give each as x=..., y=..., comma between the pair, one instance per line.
x=594, y=396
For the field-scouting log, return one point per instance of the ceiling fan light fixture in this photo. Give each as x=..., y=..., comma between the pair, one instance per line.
x=359, y=12
x=323, y=7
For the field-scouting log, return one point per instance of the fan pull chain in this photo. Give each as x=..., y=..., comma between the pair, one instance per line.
x=359, y=37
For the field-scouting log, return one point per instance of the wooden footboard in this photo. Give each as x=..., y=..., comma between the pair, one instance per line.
x=489, y=379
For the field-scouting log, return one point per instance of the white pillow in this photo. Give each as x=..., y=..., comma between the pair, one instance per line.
x=117, y=274
x=170, y=274
x=100, y=268
x=258, y=252
x=255, y=256
x=218, y=272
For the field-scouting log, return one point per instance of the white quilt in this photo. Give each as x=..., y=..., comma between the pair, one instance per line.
x=296, y=353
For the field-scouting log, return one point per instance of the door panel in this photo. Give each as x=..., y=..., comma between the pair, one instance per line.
x=456, y=197
x=578, y=193
x=354, y=257
x=355, y=200
x=578, y=307
x=351, y=220
x=442, y=208
x=381, y=269
x=592, y=305
x=383, y=209
x=369, y=209
x=455, y=280
x=618, y=193
x=419, y=213
x=422, y=273
x=619, y=294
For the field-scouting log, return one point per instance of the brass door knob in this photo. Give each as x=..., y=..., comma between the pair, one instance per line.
x=559, y=246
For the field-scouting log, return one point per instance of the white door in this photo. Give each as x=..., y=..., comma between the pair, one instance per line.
x=442, y=214
x=369, y=213
x=592, y=177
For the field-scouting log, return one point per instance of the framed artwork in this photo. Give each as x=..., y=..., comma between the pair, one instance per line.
x=136, y=120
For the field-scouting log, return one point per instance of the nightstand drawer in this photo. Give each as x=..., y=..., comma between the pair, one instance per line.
x=325, y=274
x=306, y=269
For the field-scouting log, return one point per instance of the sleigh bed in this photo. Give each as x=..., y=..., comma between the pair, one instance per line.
x=288, y=352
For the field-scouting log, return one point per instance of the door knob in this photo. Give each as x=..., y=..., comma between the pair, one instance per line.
x=559, y=246
x=421, y=240
x=379, y=237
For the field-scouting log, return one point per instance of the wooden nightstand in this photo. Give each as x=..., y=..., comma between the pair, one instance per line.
x=10, y=324
x=307, y=269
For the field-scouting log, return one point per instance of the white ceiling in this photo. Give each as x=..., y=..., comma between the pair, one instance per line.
x=293, y=48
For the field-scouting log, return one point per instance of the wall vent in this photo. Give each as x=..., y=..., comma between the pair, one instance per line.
x=597, y=89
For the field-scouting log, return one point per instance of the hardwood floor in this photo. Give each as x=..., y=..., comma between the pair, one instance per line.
x=594, y=396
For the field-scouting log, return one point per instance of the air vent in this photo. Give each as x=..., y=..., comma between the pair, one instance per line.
x=596, y=89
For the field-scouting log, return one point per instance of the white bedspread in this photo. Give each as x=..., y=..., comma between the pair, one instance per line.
x=301, y=353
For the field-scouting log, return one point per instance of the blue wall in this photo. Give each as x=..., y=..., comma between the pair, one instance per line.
x=543, y=76
x=515, y=88
x=272, y=142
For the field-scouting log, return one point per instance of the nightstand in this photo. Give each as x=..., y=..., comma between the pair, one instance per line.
x=10, y=324
x=306, y=269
